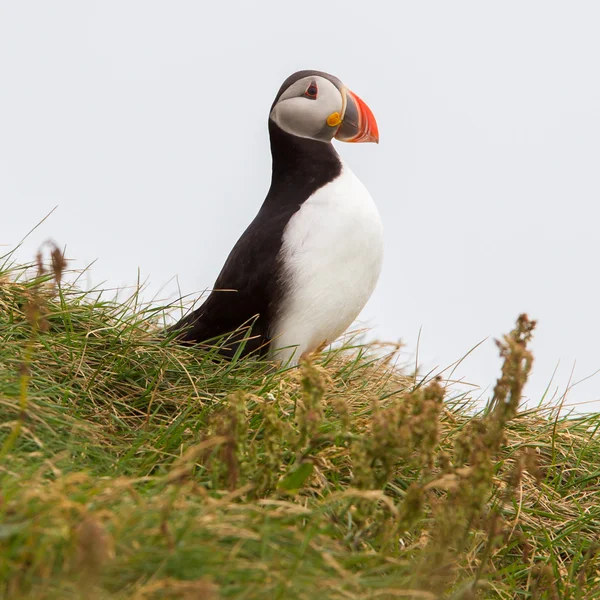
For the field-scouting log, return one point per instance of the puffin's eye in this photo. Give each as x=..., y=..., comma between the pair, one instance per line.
x=312, y=91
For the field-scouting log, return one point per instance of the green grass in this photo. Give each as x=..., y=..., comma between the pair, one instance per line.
x=134, y=468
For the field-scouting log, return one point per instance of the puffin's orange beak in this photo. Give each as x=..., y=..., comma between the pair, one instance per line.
x=358, y=122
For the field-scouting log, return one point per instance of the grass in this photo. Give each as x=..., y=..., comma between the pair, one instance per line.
x=134, y=468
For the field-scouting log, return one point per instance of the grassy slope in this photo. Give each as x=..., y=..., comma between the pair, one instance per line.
x=132, y=468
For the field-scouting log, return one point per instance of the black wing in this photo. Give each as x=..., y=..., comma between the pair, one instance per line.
x=246, y=291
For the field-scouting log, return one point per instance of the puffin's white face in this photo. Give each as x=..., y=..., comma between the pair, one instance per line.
x=319, y=107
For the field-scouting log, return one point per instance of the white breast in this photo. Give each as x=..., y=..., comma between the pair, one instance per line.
x=332, y=254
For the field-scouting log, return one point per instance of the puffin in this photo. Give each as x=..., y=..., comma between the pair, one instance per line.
x=306, y=265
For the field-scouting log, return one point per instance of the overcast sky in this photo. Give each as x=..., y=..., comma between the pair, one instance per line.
x=146, y=124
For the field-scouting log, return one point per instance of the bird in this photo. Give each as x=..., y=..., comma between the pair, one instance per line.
x=308, y=262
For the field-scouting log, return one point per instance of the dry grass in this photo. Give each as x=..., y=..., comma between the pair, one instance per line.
x=133, y=468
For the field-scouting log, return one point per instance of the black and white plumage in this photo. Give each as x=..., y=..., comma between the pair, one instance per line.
x=309, y=261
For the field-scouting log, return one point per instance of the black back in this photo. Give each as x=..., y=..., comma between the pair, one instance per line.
x=251, y=286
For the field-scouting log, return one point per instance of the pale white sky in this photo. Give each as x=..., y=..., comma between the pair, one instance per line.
x=145, y=122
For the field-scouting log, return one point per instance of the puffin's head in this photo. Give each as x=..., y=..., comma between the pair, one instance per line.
x=318, y=106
